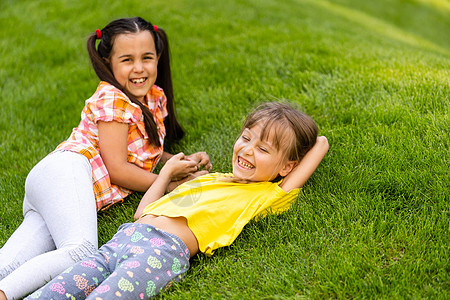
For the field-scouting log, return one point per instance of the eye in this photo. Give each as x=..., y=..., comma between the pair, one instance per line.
x=245, y=138
x=263, y=149
x=148, y=57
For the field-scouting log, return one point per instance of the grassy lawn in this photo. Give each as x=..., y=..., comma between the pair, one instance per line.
x=373, y=221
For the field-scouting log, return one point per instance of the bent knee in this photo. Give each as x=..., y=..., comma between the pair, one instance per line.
x=79, y=251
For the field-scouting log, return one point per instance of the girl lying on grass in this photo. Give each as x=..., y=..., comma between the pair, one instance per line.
x=276, y=153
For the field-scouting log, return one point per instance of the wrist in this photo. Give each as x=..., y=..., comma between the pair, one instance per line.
x=165, y=157
x=164, y=176
x=172, y=185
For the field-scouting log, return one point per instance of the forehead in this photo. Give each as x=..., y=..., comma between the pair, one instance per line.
x=276, y=133
x=129, y=43
x=257, y=131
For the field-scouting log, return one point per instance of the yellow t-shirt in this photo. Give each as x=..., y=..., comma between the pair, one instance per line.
x=218, y=210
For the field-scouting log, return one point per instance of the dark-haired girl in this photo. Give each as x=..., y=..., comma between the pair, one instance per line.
x=111, y=153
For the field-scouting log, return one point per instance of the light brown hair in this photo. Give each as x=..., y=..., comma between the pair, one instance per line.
x=292, y=132
x=295, y=132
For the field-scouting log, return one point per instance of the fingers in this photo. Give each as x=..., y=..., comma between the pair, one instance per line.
x=191, y=167
x=194, y=157
x=183, y=166
x=203, y=160
x=179, y=156
x=208, y=166
x=179, y=166
x=184, y=160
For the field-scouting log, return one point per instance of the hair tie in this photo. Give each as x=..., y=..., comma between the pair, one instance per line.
x=99, y=34
x=155, y=27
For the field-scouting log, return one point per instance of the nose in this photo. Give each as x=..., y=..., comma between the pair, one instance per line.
x=247, y=149
x=138, y=66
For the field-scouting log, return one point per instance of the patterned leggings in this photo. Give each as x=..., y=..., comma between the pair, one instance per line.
x=137, y=263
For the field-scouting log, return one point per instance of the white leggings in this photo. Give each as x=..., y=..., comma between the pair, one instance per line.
x=59, y=226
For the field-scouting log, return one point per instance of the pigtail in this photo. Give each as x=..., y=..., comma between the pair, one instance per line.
x=101, y=53
x=174, y=131
x=104, y=72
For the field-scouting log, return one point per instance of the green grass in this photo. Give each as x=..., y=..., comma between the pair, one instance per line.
x=373, y=221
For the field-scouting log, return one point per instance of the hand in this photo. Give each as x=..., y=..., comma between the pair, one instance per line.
x=203, y=162
x=178, y=166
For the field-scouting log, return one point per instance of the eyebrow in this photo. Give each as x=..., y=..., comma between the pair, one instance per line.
x=267, y=142
x=146, y=53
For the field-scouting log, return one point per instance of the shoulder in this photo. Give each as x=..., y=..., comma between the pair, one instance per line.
x=156, y=94
x=108, y=95
x=106, y=90
x=156, y=91
x=109, y=103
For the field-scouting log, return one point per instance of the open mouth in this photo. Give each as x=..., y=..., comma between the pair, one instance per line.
x=138, y=80
x=245, y=164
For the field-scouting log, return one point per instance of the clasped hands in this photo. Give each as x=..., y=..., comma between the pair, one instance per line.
x=183, y=168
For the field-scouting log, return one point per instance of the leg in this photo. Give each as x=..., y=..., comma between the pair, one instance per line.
x=61, y=192
x=144, y=259
x=31, y=239
x=149, y=261
x=82, y=278
x=77, y=281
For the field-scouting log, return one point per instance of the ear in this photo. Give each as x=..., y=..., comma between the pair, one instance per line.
x=287, y=168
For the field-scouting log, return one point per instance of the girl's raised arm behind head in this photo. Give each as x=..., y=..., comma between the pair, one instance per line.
x=306, y=167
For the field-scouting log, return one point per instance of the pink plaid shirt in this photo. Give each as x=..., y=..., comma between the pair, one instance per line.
x=110, y=104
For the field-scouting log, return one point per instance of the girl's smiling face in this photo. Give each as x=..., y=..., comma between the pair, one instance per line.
x=255, y=159
x=134, y=62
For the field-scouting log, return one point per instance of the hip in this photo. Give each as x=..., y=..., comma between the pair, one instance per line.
x=174, y=225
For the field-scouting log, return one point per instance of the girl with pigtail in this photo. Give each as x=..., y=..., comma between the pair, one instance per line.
x=113, y=151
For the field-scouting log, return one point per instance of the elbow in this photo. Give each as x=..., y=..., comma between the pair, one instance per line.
x=137, y=215
x=322, y=142
x=116, y=174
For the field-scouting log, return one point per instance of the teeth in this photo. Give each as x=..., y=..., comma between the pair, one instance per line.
x=245, y=165
x=140, y=80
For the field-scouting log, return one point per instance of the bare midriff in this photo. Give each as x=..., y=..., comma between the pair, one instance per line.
x=174, y=225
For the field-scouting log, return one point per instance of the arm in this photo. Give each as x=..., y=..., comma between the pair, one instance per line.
x=165, y=157
x=159, y=186
x=113, y=145
x=301, y=173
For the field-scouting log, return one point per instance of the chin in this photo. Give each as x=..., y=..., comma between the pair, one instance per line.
x=236, y=175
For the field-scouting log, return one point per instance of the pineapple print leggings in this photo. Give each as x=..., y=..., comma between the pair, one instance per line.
x=137, y=263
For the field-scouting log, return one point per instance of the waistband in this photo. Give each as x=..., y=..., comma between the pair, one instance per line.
x=143, y=228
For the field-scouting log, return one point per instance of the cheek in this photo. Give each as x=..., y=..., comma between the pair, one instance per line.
x=237, y=147
x=118, y=74
x=234, y=153
x=152, y=67
x=155, y=66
